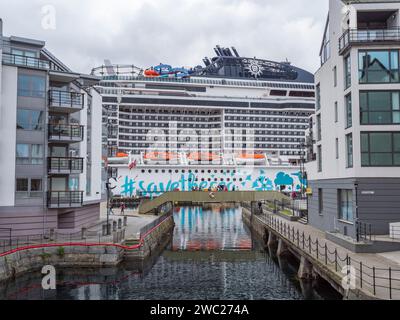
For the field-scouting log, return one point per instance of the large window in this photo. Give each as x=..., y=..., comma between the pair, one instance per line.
x=318, y=97
x=347, y=72
x=319, y=129
x=320, y=201
x=29, y=188
x=345, y=205
x=349, y=149
x=378, y=66
x=380, y=107
x=29, y=154
x=31, y=86
x=349, y=111
x=319, y=158
x=380, y=149
x=29, y=119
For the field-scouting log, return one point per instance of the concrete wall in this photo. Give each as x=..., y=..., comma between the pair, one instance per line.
x=378, y=204
x=79, y=217
x=8, y=116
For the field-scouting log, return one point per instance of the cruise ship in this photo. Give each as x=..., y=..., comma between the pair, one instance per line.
x=237, y=123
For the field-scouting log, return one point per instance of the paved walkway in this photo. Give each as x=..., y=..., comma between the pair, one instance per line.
x=364, y=264
x=135, y=220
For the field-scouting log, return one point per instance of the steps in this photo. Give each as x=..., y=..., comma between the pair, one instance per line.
x=303, y=220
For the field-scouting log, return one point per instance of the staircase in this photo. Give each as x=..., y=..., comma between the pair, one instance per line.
x=303, y=220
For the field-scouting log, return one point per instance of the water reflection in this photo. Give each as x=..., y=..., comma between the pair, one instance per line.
x=211, y=255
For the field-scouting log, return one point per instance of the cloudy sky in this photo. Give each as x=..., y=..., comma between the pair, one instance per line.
x=177, y=32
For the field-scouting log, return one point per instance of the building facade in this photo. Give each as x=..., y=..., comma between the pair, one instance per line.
x=50, y=142
x=354, y=154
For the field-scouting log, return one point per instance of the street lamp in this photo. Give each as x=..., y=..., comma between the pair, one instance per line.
x=109, y=188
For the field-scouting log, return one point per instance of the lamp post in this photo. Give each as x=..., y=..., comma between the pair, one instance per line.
x=109, y=188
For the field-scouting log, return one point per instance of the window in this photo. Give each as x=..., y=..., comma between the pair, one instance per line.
x=335, y=76
x=319, y=156
x=380, y=107
x=24, y=57
x=337, y=148
x=31, y=86
x=319, y=134
x=30, y=120
x=336, y=112
x=349, y=112
x=320, y=201
x=318, y=97
x=380, y=149
x=345, y=205
x=347, y=72
x=378, y=66
x=29, y=188
x=349, y=149
x=29, y=154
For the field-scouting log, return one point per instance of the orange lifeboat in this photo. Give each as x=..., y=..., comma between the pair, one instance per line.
x=246, y=156
x=122, y=155
x=161, y=156
x=204, y=156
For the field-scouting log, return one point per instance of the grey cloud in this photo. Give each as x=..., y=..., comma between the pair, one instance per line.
x=178, y=32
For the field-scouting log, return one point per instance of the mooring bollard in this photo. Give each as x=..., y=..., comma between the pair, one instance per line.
x=125, y=221
x=119, y=223
x=114, y=225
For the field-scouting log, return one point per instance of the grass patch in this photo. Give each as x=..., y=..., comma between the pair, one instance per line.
x=60, y=251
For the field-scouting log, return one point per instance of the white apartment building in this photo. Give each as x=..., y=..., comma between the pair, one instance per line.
x=354, y=163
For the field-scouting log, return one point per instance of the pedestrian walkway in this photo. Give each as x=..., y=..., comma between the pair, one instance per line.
x=378, y=275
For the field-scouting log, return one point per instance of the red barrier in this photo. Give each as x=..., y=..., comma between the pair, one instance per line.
x=81, y=244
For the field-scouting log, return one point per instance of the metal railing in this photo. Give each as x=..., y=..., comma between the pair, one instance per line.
x=64, y=199
x=153, y=224
x=66, y=132
x=359, y=36
x=62, y=165
x=65, y=99
x=380, y=282
x=24, y=61
x=363, y=231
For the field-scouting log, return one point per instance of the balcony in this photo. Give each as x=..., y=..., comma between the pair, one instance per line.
x=59, y=165
x=23, y=61
x=64, y=199
x=65, y=102
x=65, y=133
x=368, y=37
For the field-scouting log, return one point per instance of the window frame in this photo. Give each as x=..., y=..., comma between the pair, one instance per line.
x=390, y=65
x=392, y=111
x=392, y=152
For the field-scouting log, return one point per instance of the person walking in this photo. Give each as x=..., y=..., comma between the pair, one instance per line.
x=123, y=206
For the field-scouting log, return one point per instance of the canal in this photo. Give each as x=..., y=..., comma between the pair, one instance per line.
x=211, y=255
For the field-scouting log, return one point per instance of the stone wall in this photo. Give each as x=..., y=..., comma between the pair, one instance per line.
x=34, y=259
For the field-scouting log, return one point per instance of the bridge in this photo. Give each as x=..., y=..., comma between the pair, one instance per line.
x=201, y=197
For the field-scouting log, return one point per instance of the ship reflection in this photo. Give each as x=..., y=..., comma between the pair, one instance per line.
x=210, y=228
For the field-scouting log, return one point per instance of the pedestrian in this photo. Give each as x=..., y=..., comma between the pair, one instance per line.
x=123, y=208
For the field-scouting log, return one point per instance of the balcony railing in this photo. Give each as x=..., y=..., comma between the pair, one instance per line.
x=24, y=61
x=358, y=36
x=65, y=133
x=64, y=199
x=62, y=165
x=65, y=100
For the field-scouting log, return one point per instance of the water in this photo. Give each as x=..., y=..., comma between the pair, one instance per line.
x=211, y=255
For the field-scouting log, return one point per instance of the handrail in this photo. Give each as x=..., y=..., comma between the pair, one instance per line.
x=59, y=164
x=58, y=98
x=25, y=61
x=66, y=131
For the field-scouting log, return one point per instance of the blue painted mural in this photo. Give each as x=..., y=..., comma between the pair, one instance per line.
x=257, y=181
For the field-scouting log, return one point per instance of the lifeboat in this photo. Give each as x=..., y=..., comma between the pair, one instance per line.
x=161, y=156
x=204, y=156
x=122, y=155
x=250, y=158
